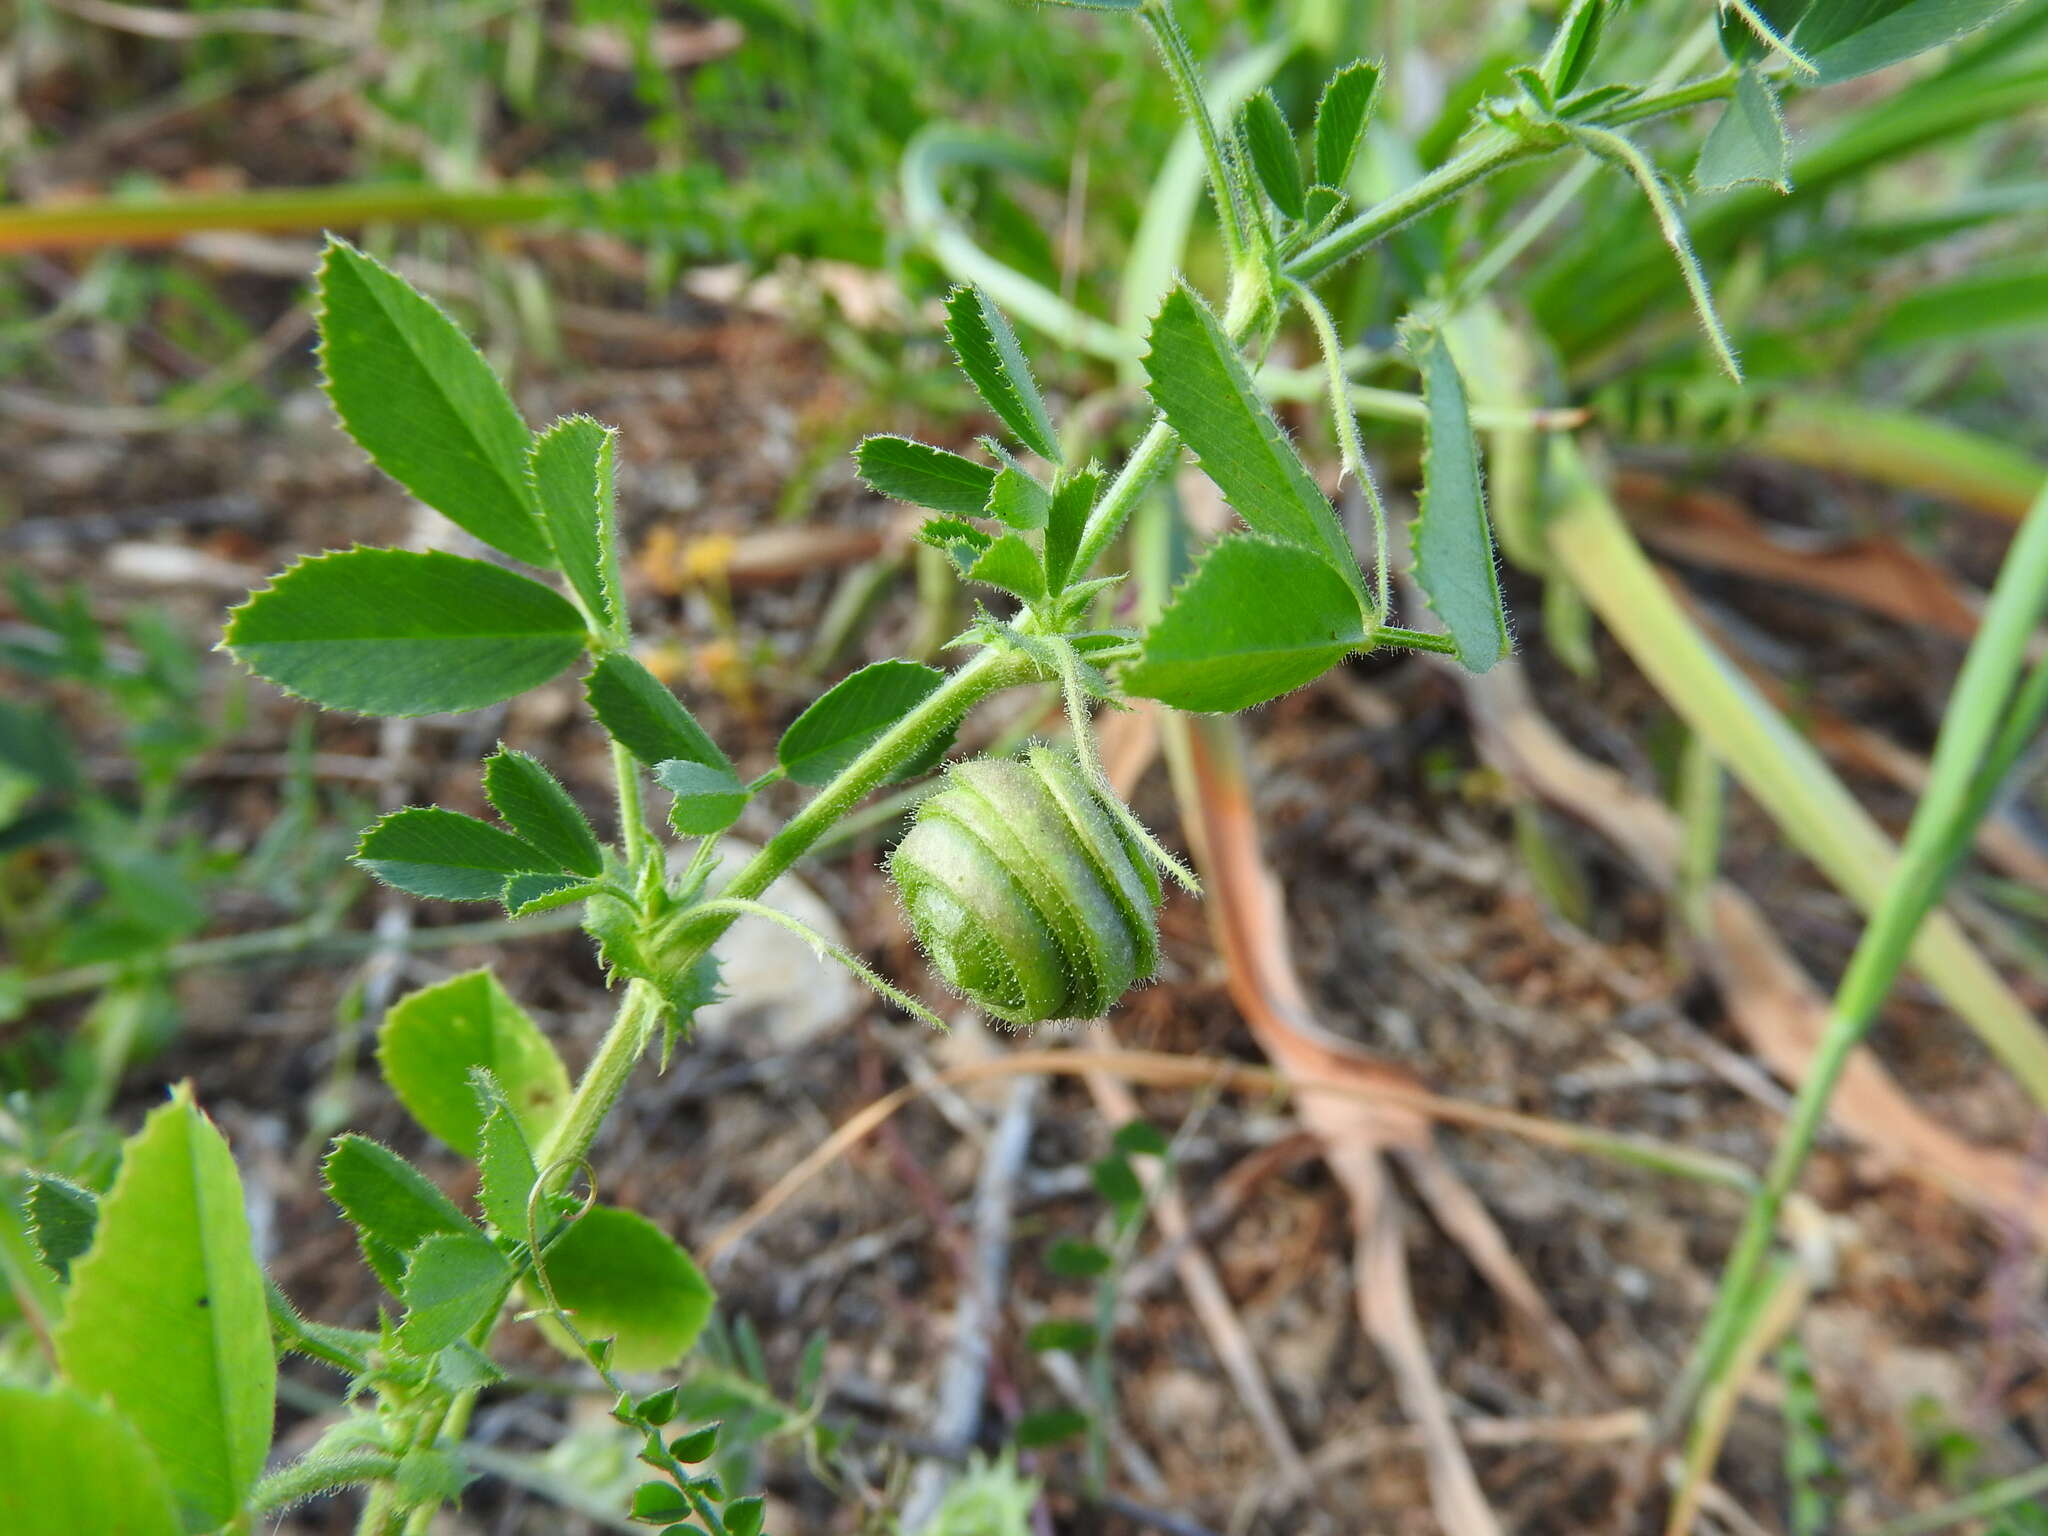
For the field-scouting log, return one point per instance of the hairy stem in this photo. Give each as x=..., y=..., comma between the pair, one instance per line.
x=1224, y=182
x=640, y=1013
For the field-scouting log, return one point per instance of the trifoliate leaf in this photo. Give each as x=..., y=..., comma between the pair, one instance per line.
x=537, y=807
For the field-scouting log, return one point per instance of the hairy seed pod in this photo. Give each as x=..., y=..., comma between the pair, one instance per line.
x=1027, y=895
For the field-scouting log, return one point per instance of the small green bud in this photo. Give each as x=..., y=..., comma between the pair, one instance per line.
x=1025, y=892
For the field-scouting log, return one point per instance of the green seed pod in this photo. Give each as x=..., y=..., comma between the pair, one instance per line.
x=1027, y=895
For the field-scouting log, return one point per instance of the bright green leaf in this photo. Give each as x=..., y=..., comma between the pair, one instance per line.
x=570, y=466
x=404, y=632
x=433, y=1039
x=623, y=1278
x=535, y=806
x=431, y=851
x=961, y=541
x=422, y=402
x=1341, y=116
x=453, y=1281
x=166, y=1317
x=1017, y=500
x=504, y=1157
x=69, y=1467
x=526, y=894
x=851, y=716
x=708, y=800
x=988, y=353
x=1200, y=383
x=1115, y=1181
x=924, y=476
x=656, y=1502
x=392, y=1205
x=743, y=1517
x=642, y=716
x=1454, y=560
x=1578, y=39
x=1748, y=143
x=1256, y=619
x=1275, y=156
x=1012, y=565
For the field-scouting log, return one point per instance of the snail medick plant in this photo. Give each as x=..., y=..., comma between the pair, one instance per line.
x=1032, y=888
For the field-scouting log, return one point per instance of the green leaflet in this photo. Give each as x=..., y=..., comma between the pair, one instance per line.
x=1017, y=500
x=1274, y=155
x=1200, y=383
x=61, y=1218
x=1071, y=503
x=1012, y=565
x=392, y=1205
x=421, y=401
x=708, y=800
x=537, y=807
x=404, y=632
x=1847, y=38
x=445, y=855
x=453, y=1281
x=642, y=716
x=987, y=351
x=1454, y=560
x=570, y=468
x=69, y=1467
x=1748, y=143
x=623, y=1278
x=504, y=1157
x=1341, y=117
x=924, y=476
x=432, y=1042
x=1256, y=619
x=166, y=1319
x=851, y=716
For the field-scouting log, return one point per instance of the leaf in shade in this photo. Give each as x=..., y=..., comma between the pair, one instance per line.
x=1065, y=522
x=640, y=714
x=526, y=894
x=1201, y=385
x=404, y=632
x=61, y=1218
x=443, y=854
x=1049, y=1427
x=1256, y=619
x=1341, y=118
x=433, y=1041
x=537, y=807
x=1275, y=156
x=851, y=716
x=419, y=398
x=1748, y=143
x=708, y=800
x=988, y=353
x=166, y=1317
x=391, y=1204
x=1454, y=560
x=924, y=476
x=570, y=467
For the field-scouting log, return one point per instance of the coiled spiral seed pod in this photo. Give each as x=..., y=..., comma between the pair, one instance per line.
x=1026, y=894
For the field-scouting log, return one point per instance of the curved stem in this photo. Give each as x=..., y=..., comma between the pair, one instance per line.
x=1350, y=448
x=640, y=1013
x=1224, y=181
x=739, y=907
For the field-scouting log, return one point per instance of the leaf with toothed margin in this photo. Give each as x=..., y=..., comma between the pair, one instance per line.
x=924, y=476
x=708, y=800
x=429, y=851
x=1453, y=542
x=961, y=541
x=1065, y=521
x=1342, y=113
x=986, y=348
x=1275, y=157
x=1012, y=565
x=419, y=398
x=537, y=807
x=1748, y=144
x=391, y=1204
x=851, y=716
x=525, y=895
x=638, y=712
x=1017, y=500
x=1256, y=619
x=433, y=1040
x=404, y=632
x=570, y=468
x=1201, y=385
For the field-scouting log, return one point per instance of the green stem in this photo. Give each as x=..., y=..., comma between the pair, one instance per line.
x=1350, y=449
x=1971, y=731
x=632, y=812
x=1224, y=182
x=1692, y=94
x=312, y=1475
x=1413, y=639
x=1988, y=1500
x=640, y=1013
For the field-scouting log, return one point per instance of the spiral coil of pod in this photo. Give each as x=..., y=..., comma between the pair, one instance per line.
x=1027, y=896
